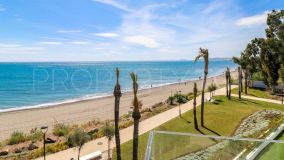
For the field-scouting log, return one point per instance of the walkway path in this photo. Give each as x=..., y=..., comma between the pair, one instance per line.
x=126, y=134
x=259, y=99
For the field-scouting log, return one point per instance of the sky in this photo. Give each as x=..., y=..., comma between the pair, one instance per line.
x=128, y=30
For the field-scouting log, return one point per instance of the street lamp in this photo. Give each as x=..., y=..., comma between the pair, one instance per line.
x=44, y=130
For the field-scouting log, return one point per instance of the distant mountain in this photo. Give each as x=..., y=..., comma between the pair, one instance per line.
x=221, y=59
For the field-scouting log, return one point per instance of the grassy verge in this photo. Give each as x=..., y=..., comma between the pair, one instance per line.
x=260, y=93
x=274, y=152
x=221, y=118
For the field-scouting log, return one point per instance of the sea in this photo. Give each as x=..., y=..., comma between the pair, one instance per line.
x=42, y=84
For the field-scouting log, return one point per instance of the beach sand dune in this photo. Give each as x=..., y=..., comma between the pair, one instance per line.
x=84, y=111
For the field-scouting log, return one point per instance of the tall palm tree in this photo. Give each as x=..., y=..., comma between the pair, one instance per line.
x=205, y=55
x=241, y=77
x=135, y=115
x=117, y=95
x=227, y=82
x=194, y=106
x=230, y=83
x=240, y=81
x=108, y=132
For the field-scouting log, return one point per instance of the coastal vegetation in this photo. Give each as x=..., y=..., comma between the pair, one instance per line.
x=228, y=83
x=263, y=57
x=108, y=132
x=194, y=106
x=203, y=53
x=17, y=137
x=211, y=89
x=77, y=139
x=136, y=116
x=60, y=129
x=221, y=120
x=94, y=129
x=117, y=95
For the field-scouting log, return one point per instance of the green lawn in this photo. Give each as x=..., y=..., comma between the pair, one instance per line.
x=275, y=151
x=221, y=118
x=256, y=93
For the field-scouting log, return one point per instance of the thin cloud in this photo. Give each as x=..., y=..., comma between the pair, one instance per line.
x=142, y=40
x=69, y=31
x=80, y=42
x=115, y=4
x=253, y=20
x=9, y=45
x=51, y=43
x=6, y=48
x=106, y=35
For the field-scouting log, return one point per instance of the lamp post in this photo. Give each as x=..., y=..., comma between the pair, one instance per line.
x=179, y=103
x=44, y=130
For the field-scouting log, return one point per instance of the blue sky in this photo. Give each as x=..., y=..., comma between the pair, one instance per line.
x=124, y=30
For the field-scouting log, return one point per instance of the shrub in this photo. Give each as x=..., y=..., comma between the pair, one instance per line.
x=52, y=148
x=16, y=138
x=36, y=135
x=56, y=147
x=60, y=129
x=180, y=98
x=78, y=138
x=171, y=100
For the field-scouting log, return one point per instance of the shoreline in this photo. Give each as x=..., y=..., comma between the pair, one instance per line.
x=94, y=97
x=92, y=109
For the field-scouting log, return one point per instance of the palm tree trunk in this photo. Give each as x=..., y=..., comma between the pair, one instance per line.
x=239, y=71
x=108, y=149
x=227, y=92
x=194, y=114
x=116, y=131
x=241, y=77
x=230, y=91
x=246, y=83
x=79, y=151
x=117, y=95
x=202, y=99
x=135, y=139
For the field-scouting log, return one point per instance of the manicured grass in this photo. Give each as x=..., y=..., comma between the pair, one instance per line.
x=221, y=118
x=256, y=93
x=275, y=151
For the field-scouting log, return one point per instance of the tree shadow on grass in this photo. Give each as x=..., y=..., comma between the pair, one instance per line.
x=185, y=120
x=244, y=101
x=216, y=133
x=197, y=129
x=238, y=101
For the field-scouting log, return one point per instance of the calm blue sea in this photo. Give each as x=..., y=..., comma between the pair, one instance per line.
x=24, y=85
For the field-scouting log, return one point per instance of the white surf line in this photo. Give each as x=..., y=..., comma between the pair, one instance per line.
x=252, y=155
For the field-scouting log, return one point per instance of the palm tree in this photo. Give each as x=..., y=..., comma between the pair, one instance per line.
x=135, y=115
x=77, y=139
x=240, y=81
x=108, y=132
x=117, y=95
x=203, y=53
x=229, y=82
x=194, y=106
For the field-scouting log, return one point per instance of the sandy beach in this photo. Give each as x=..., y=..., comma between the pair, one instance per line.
x=84, y=111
